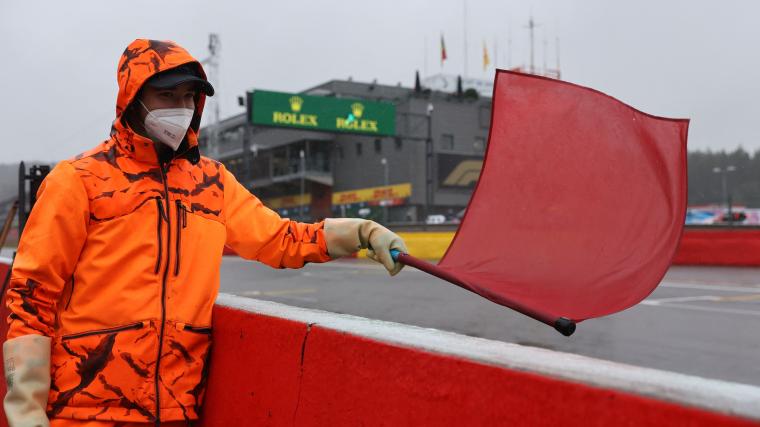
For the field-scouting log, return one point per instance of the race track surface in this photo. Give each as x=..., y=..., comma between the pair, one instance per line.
x=701, y=320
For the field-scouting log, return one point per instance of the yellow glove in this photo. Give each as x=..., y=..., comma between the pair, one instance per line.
x=27, y=373
x=345, y=236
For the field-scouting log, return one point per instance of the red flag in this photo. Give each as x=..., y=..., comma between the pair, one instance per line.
x=580, y=203
x=443, y=51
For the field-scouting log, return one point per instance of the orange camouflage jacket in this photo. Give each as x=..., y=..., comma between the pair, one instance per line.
x=119, y=263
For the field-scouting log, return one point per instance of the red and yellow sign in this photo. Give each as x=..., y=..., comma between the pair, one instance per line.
x=372, y=194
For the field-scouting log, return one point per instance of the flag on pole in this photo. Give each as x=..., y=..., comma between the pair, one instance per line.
x=486, y=59
x=550, y=259
x=443, y=50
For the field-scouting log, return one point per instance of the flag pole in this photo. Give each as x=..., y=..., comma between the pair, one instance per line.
x=464, y=25
x=425, y=52
x=563, y=325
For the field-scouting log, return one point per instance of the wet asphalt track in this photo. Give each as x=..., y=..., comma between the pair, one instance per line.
x=701, y=320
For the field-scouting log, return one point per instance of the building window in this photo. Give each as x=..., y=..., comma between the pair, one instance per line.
x=447, y=141
x=358, y=148
x=378, y=146
x=479, y=145
x=399, y=143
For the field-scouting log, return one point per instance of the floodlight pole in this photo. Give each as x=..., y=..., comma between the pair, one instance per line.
x=384, y=162
x=302, y=155
x=429, y=163
x=724, y=185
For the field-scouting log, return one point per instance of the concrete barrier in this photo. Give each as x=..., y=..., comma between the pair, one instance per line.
x=278, y=365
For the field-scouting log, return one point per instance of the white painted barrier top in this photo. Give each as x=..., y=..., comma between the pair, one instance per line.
x=720, y=396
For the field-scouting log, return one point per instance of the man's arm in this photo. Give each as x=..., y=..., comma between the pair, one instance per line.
x=256, y=232
x=47, y=254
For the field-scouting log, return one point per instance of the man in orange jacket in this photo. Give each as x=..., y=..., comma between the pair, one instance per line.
x=118, y=268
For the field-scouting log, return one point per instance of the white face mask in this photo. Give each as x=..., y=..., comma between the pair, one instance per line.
x=168, y=125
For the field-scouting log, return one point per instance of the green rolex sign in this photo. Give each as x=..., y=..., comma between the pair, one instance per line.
x=322, y=113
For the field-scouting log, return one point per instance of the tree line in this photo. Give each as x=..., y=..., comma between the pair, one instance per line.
x=742, y=174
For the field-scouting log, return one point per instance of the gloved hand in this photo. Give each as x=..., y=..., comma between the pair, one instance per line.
x=27, y=374
x=345, y=236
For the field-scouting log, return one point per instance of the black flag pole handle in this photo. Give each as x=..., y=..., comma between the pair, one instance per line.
x=563, y=325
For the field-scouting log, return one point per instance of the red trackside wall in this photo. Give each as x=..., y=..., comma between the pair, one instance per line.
x=272, y=371
x=727, y=247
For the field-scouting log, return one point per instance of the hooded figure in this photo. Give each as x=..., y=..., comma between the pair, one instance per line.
x=117, y=270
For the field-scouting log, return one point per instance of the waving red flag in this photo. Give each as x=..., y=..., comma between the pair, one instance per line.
x=580, y=203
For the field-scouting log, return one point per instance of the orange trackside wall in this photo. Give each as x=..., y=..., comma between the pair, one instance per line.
x=269, y=370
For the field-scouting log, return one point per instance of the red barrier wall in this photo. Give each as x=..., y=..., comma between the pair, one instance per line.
x=728, y=247
x=271, y=371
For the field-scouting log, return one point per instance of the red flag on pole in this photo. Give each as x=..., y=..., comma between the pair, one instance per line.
x=443, y=50
x=580, y=203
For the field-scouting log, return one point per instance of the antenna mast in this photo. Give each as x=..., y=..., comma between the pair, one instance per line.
x=546, y=69
x=212, y=63
x=559, y=73
x=531, y=26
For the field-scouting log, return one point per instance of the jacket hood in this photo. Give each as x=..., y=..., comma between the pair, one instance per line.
x=143, y=59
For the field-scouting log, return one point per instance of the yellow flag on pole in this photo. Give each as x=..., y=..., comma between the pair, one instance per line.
x=486, y=59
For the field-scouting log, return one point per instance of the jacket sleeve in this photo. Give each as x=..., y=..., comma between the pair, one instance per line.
x=256, y=232
x=47, y=253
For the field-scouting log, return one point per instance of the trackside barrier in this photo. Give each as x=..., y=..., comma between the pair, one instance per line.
x=278, y=365
x=274, y=364
x=724, y=247
x=729, y=247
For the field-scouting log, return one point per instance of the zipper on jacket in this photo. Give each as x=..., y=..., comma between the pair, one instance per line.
x=206, y=330
x=136, y=325
x=181, y=223
x=161, y=216
x=156, y=380
x=71, y=295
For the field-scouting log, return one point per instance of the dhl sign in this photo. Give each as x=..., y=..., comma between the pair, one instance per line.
x=372, y=194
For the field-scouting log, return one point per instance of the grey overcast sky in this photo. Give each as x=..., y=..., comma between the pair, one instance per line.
x=696, y=59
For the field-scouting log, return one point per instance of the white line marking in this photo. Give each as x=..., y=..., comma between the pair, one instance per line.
x=658, y=301
x=700, y=308
x=281, y=292
x=710, y=287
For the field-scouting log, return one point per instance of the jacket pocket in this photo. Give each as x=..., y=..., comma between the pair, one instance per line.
x=181, y=224
x=184, y=366
x=160, y=219
x=136, y=325
x=109, y=367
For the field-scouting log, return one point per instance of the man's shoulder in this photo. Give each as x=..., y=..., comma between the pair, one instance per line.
x=209, y=162
x=99, y=150
x=211, y=167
